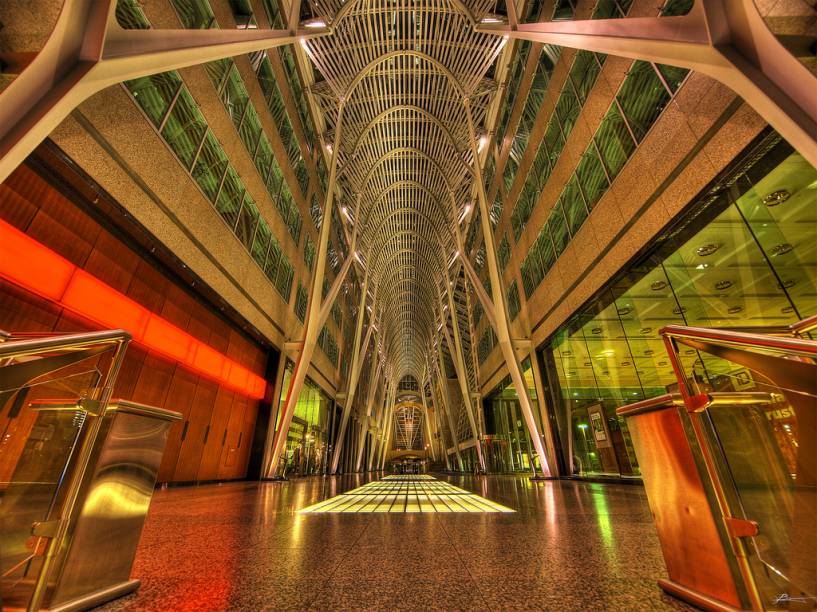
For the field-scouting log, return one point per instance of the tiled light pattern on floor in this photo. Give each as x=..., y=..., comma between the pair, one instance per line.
x=410, y=493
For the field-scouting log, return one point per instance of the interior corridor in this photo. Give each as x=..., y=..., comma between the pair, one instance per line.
x=569, y=545
x=408, y=305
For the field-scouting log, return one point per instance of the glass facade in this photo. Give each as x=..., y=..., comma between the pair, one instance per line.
x=508, y=445
x=743, y=255
x=174, y=113
x=310, y=437
x=644, y=94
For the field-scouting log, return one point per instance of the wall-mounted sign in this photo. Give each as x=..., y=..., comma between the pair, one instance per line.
x=598, y=424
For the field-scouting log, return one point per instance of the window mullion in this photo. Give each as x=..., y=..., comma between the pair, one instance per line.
x=240, y=207
x=198, y=149
x=171, y=106
x=624, y=119
x=221, y=182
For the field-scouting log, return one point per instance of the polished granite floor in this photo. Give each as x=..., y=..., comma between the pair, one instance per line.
x=244, y=546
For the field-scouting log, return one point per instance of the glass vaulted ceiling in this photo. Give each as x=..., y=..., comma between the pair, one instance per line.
x=394, y=75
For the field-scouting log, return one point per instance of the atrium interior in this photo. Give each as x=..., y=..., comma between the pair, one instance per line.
x=408, y=304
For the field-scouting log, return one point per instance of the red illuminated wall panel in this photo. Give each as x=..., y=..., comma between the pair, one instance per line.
x=61, y=271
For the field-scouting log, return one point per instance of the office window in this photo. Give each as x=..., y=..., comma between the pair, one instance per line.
x=642, y=97
x=513, y=300
x=184, y=130
x=591, y=177
x=301, y=302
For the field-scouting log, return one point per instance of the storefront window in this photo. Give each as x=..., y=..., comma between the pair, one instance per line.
x=508, y=445
x=743, y=256
x=308, y=443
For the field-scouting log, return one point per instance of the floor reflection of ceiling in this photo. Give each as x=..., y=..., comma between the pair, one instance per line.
x=411, y=493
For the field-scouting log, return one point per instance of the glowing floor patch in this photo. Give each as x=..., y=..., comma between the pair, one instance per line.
x=419, y=493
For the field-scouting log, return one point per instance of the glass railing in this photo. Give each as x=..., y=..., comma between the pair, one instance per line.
x=45, y=453
x=752, y=400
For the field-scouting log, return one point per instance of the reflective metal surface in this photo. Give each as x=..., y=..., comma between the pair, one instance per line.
x=692, y=546
x=761, y=459
x=52, y=393
x=113, y=504
x=745, y=452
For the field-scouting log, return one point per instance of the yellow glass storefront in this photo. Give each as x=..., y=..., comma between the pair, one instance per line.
x=308, y=440
x=743, y=255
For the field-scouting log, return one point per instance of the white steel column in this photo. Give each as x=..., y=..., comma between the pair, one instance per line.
x=445, y=396
x=387, y=412
x=381, y=414
x=311, y=325
x=501, y=317
x=430, y=438
x=462, y=373
x=438, y=423
x=547, y=430
x=357, y=361
x=387, y=436
x=373, y=384
x=274, y=407
x=727, y=40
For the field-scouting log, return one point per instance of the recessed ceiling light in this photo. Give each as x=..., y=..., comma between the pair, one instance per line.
x=707, y=249
x=776, y=197
x=735, y=309
x=723, y=284
x=658, y=285
x=780, y=249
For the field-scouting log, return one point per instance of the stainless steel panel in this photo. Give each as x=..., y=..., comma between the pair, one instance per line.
x=114, y=504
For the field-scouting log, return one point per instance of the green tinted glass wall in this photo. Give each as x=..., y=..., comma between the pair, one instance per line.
x=743, y=257
x=624, y=126
x=180, y=123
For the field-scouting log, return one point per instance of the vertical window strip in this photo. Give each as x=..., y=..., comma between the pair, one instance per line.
x=309, y=252
x=301, y=302
x=581, y=78
x=487, y=342
x=676, y=7
x=328, y=345
x=642, y=97
x=234, y=96
x=174, y=114
x=514, y=305
x=129, y=15
x=503, y=252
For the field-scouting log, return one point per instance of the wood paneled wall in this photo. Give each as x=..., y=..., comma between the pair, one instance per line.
x=213, y=440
